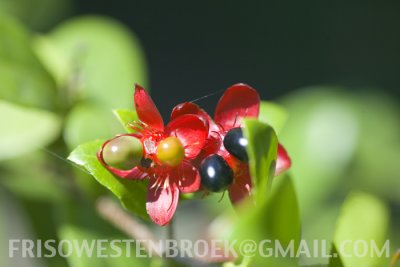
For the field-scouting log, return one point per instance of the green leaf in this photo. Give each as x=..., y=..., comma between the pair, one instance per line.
x=23, y=79
x=379, y=132
x=52, y=58
x=15, y=45
x=126, y=116
x=363, y=218
x=335, y=261
x=38, y=14
x=321, y=136
x=262, y=150
x=278, y=218
x=273, y=114
x=25, y=129
x=34, y=177
x=283, y=211
x=89, y=121
x=132, y=194
x=105, y=60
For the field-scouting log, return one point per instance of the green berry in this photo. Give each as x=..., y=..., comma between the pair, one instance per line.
x=124, y=152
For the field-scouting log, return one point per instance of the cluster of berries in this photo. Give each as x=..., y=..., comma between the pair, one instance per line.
x=192, y=152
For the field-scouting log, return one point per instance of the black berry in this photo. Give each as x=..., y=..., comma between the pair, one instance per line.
x=236, y=144
x=215, y=173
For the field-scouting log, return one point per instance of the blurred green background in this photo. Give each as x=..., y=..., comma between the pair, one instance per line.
x=64, y=65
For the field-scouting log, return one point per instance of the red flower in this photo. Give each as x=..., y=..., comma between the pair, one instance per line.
x=238, y=102
x=167, y=157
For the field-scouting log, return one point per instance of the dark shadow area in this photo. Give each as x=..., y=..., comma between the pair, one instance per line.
x=276, y=46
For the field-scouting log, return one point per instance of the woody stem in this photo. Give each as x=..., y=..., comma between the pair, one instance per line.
x=122, y=220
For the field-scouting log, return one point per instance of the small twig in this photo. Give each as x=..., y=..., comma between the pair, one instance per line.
x=395, y=259
x=122, y=220
x=113, y=213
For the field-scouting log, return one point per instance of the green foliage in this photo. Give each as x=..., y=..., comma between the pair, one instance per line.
x=103, y=56
x=80, y=234
x=15, y=224
x=33, y=176
x=80, y=72
x=89, y=121
x=132, y=194
x=278, y=218
x=23, y=80
x=53, y=61
x=336, y=260
x=379, y=132
x=125, y=117
x=75, y=75
x=262, y=150
x=39, y=14
x=3, y=232
x=363, y=217
x=340, y=141
x=329, y=129
x=273, y=114
x=25, y=129
x=321, y=135
x=95, y=61
x=80, y=223
x=270, y=219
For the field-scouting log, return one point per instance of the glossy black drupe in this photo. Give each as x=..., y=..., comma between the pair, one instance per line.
x=215, y=173
x=236, y=144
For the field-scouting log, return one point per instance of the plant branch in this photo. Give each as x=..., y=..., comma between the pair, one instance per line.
x=122, y=220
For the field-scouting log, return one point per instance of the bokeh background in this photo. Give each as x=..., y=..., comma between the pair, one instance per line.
x=276, y=46
x=332, y=66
